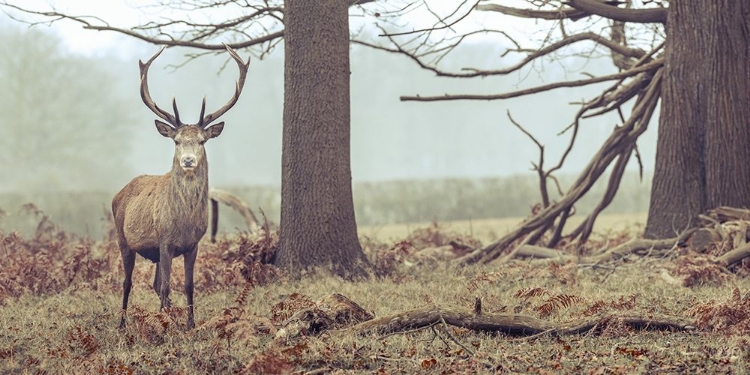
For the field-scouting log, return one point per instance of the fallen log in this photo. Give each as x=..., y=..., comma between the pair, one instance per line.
x=703, y=238
x=636, y=245
x=540, y=252
x=726, y=213
x=511, y=323
x=623, y=250
x=735, y=256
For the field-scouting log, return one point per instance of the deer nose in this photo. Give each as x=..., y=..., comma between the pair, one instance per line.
x=188, y=161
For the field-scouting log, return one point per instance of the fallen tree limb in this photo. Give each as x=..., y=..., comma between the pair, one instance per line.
x=220, y=196
x=539, y=252
x=633, y=246
x=511, y=323
x=621, y=142
x=636, y=245
x=725, y=213
x=735, y=256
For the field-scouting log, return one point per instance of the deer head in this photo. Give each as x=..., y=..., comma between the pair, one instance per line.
x=190, y=138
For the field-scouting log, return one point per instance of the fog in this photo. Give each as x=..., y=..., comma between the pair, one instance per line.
x=390, y=139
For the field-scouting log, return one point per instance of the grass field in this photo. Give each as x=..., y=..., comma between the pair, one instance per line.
x=491, y=229
x=60, y=298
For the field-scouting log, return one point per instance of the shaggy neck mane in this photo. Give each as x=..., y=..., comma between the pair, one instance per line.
x=189, y=190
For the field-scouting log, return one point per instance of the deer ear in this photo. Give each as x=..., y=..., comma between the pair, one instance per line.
x=165, y=130
x=215, y=130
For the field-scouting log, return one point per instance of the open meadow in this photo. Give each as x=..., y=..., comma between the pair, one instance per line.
x=60, y=298
x=401, y=187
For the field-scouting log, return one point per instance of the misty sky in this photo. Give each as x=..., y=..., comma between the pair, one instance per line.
x=390, y=139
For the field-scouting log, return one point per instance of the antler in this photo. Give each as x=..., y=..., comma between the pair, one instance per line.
x=146, y=96
x=205, y=121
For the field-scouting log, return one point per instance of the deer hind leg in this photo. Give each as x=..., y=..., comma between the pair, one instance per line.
x=128, y=263
x=157, y=280
x=189, y=267
x=165, y=267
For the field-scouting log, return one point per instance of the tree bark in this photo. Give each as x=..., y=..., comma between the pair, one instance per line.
x=513, y=324
x=318, y=228
x=704, y=129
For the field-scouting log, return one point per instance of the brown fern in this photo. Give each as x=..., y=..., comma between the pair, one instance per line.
x=622, y=303
x=284, y=309
x=730, y=317
x=242, y=297
x=556, y=303
x=484, y=277
x=696, y=271
x=527, y=293
x=84, y=341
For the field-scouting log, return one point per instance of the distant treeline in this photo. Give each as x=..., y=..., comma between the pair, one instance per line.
x=375, y=202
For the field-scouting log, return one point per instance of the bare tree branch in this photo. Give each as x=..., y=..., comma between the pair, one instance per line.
x=199, y=35
x=441, y=20
x=550, y=15
x=514, y=94
x=622, y=138
x=539, y=168
x=650, y=15
x=586, y=36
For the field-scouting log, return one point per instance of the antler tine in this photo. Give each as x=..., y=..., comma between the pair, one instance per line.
x=176, y=112
x=203, y=110
x=205, y=121
x=146, y=95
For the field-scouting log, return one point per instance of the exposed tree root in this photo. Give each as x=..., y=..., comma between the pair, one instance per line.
x=512, y=324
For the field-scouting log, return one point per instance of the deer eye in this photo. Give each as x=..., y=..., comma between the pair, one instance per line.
x=202, y=142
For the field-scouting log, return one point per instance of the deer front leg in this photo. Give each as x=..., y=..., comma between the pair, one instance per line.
x=190, y=257
x=165, y=268
x=128, y=262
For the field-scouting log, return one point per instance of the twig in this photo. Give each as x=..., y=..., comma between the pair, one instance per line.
x=447, y=331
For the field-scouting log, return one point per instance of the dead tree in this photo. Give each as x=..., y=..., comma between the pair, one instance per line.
x=638, y=82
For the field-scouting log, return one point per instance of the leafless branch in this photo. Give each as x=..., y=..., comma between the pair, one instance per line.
x=560, y=13
x=440, y=20
x=539, y=168
x=514, y=94
x=247, y=30
x=650, y=15
x=622, y=139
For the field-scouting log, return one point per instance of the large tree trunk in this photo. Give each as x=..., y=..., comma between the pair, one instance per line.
x=318, y=228
x=703, y=151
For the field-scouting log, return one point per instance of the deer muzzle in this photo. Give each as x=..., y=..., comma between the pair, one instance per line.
x=188, y=162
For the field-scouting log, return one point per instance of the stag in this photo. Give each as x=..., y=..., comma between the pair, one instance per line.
x=163, y=217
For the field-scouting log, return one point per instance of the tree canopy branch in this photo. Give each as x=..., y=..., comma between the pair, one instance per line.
x=651, y=15
x=162, y=38
x=583, y=82
x=583, y=8
x=550, y=15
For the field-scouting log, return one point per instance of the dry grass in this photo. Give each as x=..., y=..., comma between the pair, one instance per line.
x=491, y=229
x=72, y=329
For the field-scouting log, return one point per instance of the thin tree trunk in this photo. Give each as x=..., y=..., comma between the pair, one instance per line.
x=318, y=227
x=704, y=129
